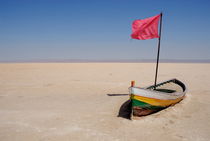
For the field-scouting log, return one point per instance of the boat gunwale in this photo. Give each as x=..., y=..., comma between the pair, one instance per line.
x=151, y=93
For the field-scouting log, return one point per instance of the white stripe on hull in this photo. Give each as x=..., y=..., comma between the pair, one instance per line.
x=155, y=94
x=150, y=93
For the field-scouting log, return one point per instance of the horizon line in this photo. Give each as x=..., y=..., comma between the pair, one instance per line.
x=107, y=61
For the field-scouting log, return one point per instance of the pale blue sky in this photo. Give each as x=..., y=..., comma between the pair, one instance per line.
x=100, y=30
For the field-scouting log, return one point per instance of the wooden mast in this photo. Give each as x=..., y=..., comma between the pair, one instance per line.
x=158, y=53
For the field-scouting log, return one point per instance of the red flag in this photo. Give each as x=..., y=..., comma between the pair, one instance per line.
x=146, y=28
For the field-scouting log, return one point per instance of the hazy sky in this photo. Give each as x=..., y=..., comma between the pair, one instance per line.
x=100, y=29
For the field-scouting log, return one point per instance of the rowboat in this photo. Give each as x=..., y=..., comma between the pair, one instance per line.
x=151, y=99
x=154, y=98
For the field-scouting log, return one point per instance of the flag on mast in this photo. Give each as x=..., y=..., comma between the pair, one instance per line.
x=145, y=28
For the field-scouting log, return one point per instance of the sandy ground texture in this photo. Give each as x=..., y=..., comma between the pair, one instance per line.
x=70, y=102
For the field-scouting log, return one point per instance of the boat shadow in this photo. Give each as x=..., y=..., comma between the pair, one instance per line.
x=125, y=110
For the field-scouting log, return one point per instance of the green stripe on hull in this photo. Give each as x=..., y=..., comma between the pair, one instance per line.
x=145, y=105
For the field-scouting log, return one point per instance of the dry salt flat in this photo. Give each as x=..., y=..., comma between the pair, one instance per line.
x=69, y=101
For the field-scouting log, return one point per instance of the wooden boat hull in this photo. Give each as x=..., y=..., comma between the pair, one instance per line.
x=150, y=99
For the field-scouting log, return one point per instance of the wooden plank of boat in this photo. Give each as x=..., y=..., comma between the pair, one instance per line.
x=152, y=99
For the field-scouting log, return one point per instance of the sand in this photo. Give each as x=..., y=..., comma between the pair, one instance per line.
x=69, y=102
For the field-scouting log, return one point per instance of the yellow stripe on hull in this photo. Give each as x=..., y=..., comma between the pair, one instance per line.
x=156, y=102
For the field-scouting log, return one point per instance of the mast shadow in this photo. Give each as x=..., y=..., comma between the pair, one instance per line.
x=117, y=94
x=125, y=109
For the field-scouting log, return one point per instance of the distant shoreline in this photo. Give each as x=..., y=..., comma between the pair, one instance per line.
x=108, y=61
